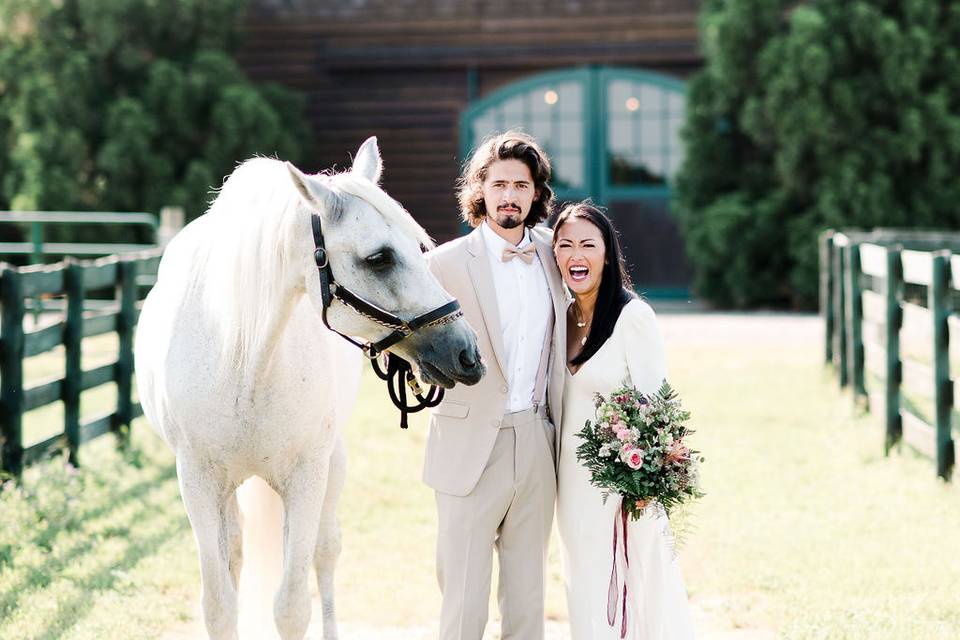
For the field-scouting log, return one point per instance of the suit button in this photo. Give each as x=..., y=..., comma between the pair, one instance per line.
x=503, y=389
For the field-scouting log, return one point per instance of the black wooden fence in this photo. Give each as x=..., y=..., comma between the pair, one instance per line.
x=889, y=300
x=72, y=282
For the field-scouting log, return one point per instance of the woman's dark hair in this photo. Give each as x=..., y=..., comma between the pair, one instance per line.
x=616, y=290
x=512, y=145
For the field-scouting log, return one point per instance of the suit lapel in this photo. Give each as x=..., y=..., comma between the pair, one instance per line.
x=482, y=277
x=558, y=295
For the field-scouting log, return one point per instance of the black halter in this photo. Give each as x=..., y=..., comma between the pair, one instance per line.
x=395, y=370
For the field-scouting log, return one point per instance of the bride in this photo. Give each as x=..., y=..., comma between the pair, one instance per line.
x=612, y=337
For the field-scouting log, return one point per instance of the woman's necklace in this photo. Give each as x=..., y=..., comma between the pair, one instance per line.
x=581, y=323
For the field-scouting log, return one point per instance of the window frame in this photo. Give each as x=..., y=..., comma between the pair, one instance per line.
x=594, y=81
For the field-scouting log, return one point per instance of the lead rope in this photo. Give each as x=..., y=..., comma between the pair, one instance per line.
x=398, y=374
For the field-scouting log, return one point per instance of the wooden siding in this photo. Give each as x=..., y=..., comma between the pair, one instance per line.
x=401, y=70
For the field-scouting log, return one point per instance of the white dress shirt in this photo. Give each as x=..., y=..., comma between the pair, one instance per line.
x=523, y=301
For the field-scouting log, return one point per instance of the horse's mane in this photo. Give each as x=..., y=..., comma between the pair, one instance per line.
x=247, y=252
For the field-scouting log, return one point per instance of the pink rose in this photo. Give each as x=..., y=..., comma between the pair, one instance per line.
x=623, y=434
x=635, y=459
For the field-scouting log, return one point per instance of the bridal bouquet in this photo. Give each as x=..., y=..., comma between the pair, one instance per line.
x=637, y=448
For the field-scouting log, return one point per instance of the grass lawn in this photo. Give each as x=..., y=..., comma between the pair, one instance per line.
x=807, y=530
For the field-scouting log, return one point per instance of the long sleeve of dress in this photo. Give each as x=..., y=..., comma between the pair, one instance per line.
x=659, y=606
x=643, y=347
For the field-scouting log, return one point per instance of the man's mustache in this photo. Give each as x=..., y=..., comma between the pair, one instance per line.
x=509, y=205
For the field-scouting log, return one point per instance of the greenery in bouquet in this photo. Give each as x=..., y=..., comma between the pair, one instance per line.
x=637, y=448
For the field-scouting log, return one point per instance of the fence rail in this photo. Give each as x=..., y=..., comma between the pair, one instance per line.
x=72, y=280
x=37, y=248
x=889, y=301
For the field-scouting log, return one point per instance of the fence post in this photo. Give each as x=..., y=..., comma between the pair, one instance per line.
x=854, y=323
x=126, y=322
x=72, y=343
x=839, y=309
x=891, y=291
x=938, y=302
x=826, y=291
x=11, y=371
x=171, y=222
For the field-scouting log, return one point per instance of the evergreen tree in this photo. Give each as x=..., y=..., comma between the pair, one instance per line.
x=129, y=105
x=829, y=113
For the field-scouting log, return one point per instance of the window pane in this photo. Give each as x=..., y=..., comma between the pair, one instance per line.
x=620, y=134
x=483, y=126
x=650, y=100
x=541, y=128
x=570, y=99
x=538, y=99
x=643, y=121
x=512, y=111
x=651, y=130
x=568, y=171
x=674, y=125
x=617, y=94
x=676, y=103
x=652, y=162
x=571, y=135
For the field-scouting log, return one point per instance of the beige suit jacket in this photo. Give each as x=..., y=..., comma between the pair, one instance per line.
x=464, y=427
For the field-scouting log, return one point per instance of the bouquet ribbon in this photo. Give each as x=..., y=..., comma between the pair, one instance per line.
x=614, y=590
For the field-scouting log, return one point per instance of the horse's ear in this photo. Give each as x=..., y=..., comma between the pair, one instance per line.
x=313, y=191
x=367, y=162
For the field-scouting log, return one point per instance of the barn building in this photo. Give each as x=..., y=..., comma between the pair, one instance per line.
x=599, y=82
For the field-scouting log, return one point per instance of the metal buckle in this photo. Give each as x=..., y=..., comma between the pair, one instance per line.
x=321, y=258
x=414, y=384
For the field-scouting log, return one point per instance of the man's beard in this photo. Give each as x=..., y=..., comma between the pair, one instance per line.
x=508, y=221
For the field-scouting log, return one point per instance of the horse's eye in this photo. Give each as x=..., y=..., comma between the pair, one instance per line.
x=381, y=260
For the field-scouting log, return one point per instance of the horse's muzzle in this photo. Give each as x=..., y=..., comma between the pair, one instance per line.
x=450, y=356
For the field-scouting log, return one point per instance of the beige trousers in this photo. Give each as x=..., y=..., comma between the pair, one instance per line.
x=510, y=509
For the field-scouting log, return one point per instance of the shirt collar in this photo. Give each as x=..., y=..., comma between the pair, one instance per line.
x=496, y=244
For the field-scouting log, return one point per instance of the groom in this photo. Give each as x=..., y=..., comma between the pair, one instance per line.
x=491, y=450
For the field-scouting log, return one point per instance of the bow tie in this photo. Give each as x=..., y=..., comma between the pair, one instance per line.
x=526, y=254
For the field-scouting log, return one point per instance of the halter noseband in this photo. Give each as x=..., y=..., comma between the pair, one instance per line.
x=394, y=370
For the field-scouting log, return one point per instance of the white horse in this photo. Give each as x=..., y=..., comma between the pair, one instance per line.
x=240, y=377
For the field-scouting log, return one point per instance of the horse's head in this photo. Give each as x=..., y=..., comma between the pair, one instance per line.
x=375, y=251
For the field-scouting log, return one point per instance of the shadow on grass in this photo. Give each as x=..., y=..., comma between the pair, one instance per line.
x=72, y=611
x=47, y=536
x=45, y=574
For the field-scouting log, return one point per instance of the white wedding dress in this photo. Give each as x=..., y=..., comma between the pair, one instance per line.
x=656, y=602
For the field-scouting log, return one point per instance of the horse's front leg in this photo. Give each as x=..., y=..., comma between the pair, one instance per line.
x=206, y=495
x=302, y=492
x=328, y=539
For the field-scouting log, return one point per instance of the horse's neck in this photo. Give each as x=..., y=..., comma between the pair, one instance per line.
x=261, y=366
x=277, y=327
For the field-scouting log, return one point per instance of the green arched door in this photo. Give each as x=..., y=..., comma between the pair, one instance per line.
x=614, y=136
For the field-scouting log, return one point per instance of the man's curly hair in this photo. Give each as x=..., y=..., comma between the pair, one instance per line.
x=511, y=145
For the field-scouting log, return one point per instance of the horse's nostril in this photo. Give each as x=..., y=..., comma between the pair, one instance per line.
x=468, y=359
